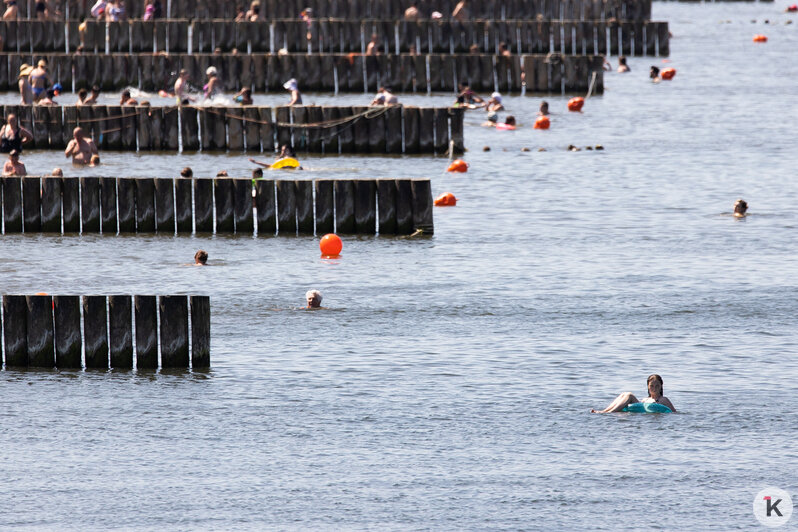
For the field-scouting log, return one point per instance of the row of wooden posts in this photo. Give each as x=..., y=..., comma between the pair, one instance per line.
x=43, y=331
x=113, y=206
x=313, y=129
x=484, y=9
x=335, y=36
x=552, y=73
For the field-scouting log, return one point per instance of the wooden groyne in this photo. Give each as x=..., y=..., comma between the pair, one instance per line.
x=44, y=331
x=574, y=37
x=284, y=207
x=484, y=9
x=312, y=129
x=552, y=73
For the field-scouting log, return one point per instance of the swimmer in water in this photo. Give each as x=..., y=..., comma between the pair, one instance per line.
x=544, y=109
x=622, y=66
x=313, y=298
x=654, y=75
x=201, y=258
x=740, y=206
x=655, y=388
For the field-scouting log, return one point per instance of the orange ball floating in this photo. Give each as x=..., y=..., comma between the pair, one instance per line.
x=760, y=38
x=575, y=104
x=667, y=73
x=792, y=9
x=458, y=165
x=331, y=245
x=446, y=199
x=542, y=122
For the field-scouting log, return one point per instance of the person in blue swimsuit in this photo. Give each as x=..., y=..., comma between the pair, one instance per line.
x=654, y=384
x=39, y=80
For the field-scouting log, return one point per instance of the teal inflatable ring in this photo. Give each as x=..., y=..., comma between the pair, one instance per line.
x=647, y=408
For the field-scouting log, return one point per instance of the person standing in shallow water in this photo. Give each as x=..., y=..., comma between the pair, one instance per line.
x=655, y=390
x=13, y=166
x=13, y=136
x=80, y=148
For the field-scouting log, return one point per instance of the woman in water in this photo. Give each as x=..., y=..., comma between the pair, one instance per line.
x=214, y=85
x=740, y=206
x=622, y=66
x=12, y=135
x=39, y=80
x=654, y=396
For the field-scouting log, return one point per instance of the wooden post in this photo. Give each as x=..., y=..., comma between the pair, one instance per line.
x=145, y=205
x=70, y=195
x=15, y=330
x=200, y=332
x=203, y=205
x=171, y=129
x=144, y=128
x=325, y=222
x=344, y=206
x=361, y=130
x=165, y=205
x=404, y=207
x=266, y=129
x=225, y=208
x=146, y=332
x=393, y=130
x=365, y=206
x=264, y=202
x=12, y=204
x=252, y=129
x=314, y=135
x=95, y=332
x=304, y=206
x=68, y=339
x=283, y=133
x=457, y=117
x=346, y=131
x=377, y=133
x=174, y=331
x=426, y=125
x=41, y=350
x=329, y=135
x=411, y=129
x=183, y=202
x=121, y=331
x=90, y=204
x=32, y=204
x=126, y=194
x=441, y=130
x=242, y=199
x=108, y=205
x=234, y=118
x=286, y=208
x=51, y=205
x=386, y=205
x=189, y=128
x=422, y=206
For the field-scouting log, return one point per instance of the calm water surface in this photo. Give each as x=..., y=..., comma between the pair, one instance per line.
x=448, y=384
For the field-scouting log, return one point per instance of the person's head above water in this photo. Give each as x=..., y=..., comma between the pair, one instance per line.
x=187, y=172
x=740, y=206
x=211, y=72
x=655, y=387
x=291, y=85
x=654, y=72
x=57, y=172
x=622, y=60
x=313, y=298
x=510, y=120
x=201, y=257
x=544, y=107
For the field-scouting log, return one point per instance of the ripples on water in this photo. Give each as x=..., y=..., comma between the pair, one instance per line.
x=449, y=383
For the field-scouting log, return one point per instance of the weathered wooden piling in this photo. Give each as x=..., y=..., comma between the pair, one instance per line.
x=120, y=319
x=15, y=330
x=203, y=205
x=70, y=196
x=422, y=206
x=183, y=203
x=12, y=204
x=174, y=331
x=165, y=206
x=108, y=210
x=304, y=206
x=325, y=222
x=265, y=204
x=51, y=205
x=90, y=204
x=365, y=206
x=146, y=332
x=386, y=205
x=95, y=332
x=41, y=349
x=32, y=204
x=286, y=207
x=200, y=332
x=242, y=199
x=225, y=208
x=404, y=207
x=344, y=206
x=126, y=194
x=145, y=205
x=68, y=340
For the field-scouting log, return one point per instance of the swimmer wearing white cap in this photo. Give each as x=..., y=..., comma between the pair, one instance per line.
x=495, y=103
x=214, y=85
x=313, y=298
x=292, y=86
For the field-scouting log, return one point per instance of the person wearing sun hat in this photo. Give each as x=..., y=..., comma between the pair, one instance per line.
x=293, y=87
x=25, y=90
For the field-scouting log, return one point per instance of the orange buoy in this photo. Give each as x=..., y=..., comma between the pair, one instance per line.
x=575, y=104
x=331, y=245
x=458, y=165
x=667, y=73
x=792, y=9
x=542, y=122
x=41, y=294
x=760, y=38
x=446, y=199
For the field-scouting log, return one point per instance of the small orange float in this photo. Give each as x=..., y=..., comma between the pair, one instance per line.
x=331, y=245
x=458, y=165
x=575, y=104
x=667, y=73
x=542, y=122
x=446, y=199
x=760, y=38
x=792, y=9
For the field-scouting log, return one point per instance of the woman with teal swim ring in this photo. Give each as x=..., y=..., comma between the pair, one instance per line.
x=655, y=397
